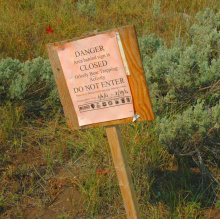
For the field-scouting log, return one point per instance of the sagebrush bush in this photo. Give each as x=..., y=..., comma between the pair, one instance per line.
x=182, y=73
x=29, y=82
x=8, y=69
x=86, y=9
x=196, y=126
x=184, y=82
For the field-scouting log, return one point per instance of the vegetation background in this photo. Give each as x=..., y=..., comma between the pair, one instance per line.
x=48, y=171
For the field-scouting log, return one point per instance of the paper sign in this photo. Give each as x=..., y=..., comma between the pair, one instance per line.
x=96, y=79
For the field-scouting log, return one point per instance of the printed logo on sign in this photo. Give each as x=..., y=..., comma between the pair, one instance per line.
x=83, y=108
x=104, y=105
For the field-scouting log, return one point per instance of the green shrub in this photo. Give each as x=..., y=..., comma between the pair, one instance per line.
x=88, y=9
x=182, y=73
x=184, y=82
x=29, y=82
x=197, y=126
x=8, y=70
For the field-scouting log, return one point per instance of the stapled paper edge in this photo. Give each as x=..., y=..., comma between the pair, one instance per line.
x=122, y=54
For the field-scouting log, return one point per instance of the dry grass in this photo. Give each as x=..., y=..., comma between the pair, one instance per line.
x=23, y=23
x=47, y=170
x=43, y=164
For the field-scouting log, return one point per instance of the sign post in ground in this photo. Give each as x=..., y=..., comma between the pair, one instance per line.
x=123, y=172
x=101, y=82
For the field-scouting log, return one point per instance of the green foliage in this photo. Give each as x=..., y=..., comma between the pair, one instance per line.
x=156, y=9
x=88, y=9
x=184, y=85
x=181, y=74
x=31, y=82
x=149, y=44
x=197, y=125
x=8, y=68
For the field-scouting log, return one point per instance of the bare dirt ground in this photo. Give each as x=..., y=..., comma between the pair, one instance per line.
x=34, y=193
x=66, y=200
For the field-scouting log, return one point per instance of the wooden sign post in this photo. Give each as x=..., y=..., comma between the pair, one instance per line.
x=101, y=82
x=123, y=172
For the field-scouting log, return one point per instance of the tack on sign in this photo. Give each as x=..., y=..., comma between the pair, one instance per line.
x=100, y=79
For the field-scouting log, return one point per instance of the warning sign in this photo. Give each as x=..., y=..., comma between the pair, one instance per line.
x=96, y=78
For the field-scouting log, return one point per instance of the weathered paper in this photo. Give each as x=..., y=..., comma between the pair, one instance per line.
x=96, y=79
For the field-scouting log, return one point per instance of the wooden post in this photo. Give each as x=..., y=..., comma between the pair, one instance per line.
x=123, y=172
x=141, y=103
